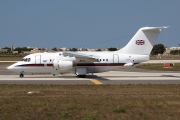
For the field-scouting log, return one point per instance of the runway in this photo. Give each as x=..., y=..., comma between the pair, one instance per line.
x=112, y=77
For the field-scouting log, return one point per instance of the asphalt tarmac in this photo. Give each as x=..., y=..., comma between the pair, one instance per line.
x=125, y=75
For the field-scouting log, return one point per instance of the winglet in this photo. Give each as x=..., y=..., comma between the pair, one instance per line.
x=165, y=26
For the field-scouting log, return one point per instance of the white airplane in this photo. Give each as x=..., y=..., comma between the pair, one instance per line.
x=81, y=63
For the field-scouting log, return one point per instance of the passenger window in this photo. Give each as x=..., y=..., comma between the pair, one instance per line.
x=106, y=59
x=103, y=59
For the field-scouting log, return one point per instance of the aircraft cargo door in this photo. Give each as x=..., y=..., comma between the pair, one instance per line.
x=115, y=58
x=38, y=59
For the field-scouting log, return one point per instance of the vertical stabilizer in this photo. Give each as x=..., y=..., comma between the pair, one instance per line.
x=143, y=41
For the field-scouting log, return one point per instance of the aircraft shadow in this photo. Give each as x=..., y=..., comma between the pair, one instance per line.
x=99, y=77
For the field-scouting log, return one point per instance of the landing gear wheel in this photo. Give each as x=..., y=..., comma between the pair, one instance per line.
x=21, y=75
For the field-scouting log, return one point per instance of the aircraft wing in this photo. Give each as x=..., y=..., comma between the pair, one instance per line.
x=82, y=56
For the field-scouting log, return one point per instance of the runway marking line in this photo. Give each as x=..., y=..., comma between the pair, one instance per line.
x=96, y=82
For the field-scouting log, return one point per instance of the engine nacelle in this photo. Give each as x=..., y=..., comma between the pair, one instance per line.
x=128, y=64
x=62, y=65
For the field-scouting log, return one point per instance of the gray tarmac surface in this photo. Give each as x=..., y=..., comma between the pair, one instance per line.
x=125, y=75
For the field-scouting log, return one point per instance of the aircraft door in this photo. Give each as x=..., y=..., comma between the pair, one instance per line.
x=115, y=58
x=38, y=59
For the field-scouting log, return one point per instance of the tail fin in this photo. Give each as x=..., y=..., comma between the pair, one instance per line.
x=143, y=41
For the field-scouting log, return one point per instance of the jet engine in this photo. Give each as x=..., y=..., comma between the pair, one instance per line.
x=128, y=64
x=62, y=65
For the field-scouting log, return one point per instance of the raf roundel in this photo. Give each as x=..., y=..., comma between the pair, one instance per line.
x=140, y=42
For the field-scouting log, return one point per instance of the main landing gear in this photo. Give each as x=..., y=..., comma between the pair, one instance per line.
x=21, y=75
x=81, y=76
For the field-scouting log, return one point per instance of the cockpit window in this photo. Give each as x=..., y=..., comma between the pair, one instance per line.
x=29, y=59
x=26, y=59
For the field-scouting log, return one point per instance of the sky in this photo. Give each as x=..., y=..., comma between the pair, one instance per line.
x=85, y=23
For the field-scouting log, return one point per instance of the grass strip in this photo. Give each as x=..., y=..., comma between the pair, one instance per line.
x=90, y=102
x=160, y=66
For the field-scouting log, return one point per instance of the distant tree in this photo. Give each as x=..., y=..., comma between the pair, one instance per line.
x=73, y=49
x=8, y=49
x=112, y=49
x=55, y=49
x=175, y=52
x=19, y=49
x=158, y=49
x=99, y=49
x=60, y=49
x=84, y=49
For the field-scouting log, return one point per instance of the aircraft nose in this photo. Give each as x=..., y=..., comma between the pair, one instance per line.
x=10, y=67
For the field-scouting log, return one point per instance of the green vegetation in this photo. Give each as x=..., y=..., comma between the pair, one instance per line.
x=112, y=49
x=160, y=66
x=175, y=52
x=98, y=49
x=20, y=50
x=73, y=49
x=158, y=49
x=90, y=102
x=55, y=49
x=120, y=110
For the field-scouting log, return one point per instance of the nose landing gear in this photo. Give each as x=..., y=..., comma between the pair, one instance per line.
x=21, y=75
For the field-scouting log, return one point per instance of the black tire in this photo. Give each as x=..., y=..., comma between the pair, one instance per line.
x=81, y=76
x=21, y=75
